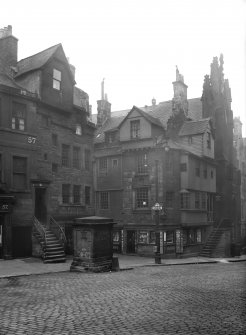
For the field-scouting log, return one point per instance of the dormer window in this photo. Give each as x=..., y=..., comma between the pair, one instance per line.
x=111, y=137
x=135, y=129
x=78, y=129
x=56, y=79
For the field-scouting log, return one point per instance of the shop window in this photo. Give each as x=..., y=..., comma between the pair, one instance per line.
x=135, y=129
x=169, y=237
x=56, y=79
x=192, y=236
x=65, y=155
x=142, y=163
x=87, y=195
x=142, y=197
x=152, y=237
x=76, y=194
x=19, y=173
x=116, y=236
x=65, y=193
x=104, y=200
x=143, y=237
x=19, y=116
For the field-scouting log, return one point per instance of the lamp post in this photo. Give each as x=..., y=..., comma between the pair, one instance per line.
x=157, y=208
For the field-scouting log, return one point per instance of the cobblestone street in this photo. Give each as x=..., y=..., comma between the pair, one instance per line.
x=184, y=299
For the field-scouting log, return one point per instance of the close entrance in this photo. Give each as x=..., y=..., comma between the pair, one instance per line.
x=40, y=204
x=131, y=241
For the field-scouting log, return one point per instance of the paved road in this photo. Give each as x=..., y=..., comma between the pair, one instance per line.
x=186, y=299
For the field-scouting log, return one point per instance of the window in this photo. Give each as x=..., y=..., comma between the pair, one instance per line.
x=104, y=200
x=197, y=200
x=19, y=116
x=56, y=79
x=142, y=163
x=103, y=165
x=135, y=129
x=65, y=193
x=115, y=163
x=76, y=194
x=78, y=130
x=54, y=139
x=142, y=200
x=65, y=155
x=183, y=167
x=87, y=195
x=190, y=139
x=208, y=140
x=169, y=237
x=111, y=137
x=205, y=173
x=54, y=167
x=192, y=236
x=197, y=170
x=19, y=173
x=198, y=236
x=185, y=200
x=76, y=160
x=169, y=199
x=143, y=237
x=87, y=159
x=203, y=200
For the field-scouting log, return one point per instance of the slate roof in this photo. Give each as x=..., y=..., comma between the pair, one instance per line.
x=80, y=97
x=160, y=113
x=36, y=61
x=194, y=127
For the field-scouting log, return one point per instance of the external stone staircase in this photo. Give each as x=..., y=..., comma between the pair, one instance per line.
x=214, y=238
x=53, y=249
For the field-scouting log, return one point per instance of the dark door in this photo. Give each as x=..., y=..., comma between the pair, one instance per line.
x=40, y=204
x=131, y=241
x=22, y=241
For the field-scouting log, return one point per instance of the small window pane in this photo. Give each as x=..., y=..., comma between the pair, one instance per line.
x=57, y=74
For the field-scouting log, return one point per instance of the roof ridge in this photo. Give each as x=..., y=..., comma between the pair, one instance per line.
x=56, y=45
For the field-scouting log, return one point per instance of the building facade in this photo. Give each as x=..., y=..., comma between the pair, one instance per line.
x=46, y=145
x=157, y=154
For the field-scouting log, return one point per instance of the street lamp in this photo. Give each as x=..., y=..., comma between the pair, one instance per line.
x=157, y=208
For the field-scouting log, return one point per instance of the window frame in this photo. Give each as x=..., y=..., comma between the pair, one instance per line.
x=135, y=129
x=76, y=157
x=142, y=163
x=65, y=155
x=18, y=114
x=56, y=83
x=141, y=197
x=104, y=200
x=87, y=195
x=23, y=173
x=185, y=200
x=76, y=194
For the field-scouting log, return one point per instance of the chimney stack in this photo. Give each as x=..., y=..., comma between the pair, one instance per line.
x=8, y=48
x=103, y=107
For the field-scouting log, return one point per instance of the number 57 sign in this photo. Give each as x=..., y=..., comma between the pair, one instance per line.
x=31, y=140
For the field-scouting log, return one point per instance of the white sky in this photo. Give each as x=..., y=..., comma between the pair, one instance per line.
x=135, y=44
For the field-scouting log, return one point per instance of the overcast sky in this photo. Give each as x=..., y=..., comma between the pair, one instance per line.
x=135, y=44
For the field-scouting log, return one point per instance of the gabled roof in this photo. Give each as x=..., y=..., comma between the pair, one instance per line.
x=194, y=127
x=109, y=125
x=147, y=116
x=36, y=61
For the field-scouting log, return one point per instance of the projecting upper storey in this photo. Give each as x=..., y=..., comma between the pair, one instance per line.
x=46, y=74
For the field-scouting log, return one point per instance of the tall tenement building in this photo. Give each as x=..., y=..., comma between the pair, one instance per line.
x=46, y=146
x=178, y=154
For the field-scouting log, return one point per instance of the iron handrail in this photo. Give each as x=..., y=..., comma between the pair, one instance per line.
x=40, y=229
x=62, y=234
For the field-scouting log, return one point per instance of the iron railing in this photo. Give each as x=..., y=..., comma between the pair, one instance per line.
x=62, y=236
x=41, y=231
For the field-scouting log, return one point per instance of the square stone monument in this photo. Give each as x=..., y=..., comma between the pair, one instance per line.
x=93, y=244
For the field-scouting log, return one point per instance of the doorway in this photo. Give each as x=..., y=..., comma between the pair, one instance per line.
x=40, y=204
x=130, y=241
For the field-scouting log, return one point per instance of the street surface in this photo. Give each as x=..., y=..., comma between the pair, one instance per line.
x=184, y=299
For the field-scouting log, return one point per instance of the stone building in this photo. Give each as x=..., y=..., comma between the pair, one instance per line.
x=157, y=154
x=240, y=147
x=46, y=144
